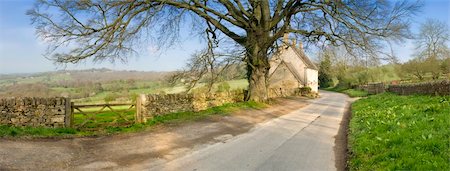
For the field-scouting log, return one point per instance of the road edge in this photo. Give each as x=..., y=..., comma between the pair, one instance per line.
x=341, y=152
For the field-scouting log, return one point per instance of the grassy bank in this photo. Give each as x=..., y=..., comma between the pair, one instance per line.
x=391, y=132
x=349, y=92
x=9, y=131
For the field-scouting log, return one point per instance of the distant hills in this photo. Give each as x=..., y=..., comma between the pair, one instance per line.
x=96, y=75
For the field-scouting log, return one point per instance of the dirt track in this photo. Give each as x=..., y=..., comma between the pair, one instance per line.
x=120, y=151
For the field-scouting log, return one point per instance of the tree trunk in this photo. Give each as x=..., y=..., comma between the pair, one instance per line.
x=257, y=73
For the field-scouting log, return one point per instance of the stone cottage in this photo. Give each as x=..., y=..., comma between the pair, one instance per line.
x=291, y=68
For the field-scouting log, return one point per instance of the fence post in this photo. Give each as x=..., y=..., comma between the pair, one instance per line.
x=68, y=118
x=140, y=109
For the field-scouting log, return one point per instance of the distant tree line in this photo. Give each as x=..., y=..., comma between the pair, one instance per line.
x=431, y=61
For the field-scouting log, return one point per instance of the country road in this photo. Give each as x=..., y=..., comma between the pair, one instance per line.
x=300, y=140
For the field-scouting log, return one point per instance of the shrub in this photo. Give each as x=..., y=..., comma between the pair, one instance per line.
x=305, y=90
x=110, y=97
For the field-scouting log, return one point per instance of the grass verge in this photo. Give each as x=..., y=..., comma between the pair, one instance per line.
x=349, y=92
x=11, y=131
x=391, y=132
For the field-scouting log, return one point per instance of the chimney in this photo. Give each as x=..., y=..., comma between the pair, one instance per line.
x=294, y=42
x=300, y=45
x=286, y=39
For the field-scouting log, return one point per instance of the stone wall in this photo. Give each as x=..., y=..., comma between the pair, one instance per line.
x=152, y=105
x=27, y=111
x=430, y=88
x=373, y=88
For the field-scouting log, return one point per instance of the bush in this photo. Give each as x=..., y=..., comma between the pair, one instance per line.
x=305, y=90
x=110, y=97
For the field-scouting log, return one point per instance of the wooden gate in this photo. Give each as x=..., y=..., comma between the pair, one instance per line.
x=101, y=115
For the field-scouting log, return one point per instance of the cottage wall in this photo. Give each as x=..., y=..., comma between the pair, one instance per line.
x=283, y=78
x=313, y=79
x=291, y=57
x=279, y=78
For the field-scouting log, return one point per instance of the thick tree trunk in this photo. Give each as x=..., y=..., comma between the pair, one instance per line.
x=257, y=73
x=257, y=89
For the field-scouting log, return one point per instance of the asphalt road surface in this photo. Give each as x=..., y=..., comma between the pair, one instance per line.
x=300, y=140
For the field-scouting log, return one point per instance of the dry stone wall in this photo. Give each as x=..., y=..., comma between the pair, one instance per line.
x=152, y=105
x=27, y=111
x=429, y=88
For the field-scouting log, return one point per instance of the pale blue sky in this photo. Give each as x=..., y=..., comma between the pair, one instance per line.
x=21, y=51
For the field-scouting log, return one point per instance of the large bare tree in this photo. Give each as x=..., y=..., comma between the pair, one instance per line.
x=109, y=29
x=432, y=39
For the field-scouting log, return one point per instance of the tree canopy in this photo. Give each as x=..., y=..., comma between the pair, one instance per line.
x=102, y=30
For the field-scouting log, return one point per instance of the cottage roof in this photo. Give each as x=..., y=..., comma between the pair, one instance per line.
x=303, y=57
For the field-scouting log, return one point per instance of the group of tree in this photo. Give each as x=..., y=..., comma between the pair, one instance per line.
x=432, y=56
x=111, y=30
x=27, y=90
x=431, y=60
x=339, y=68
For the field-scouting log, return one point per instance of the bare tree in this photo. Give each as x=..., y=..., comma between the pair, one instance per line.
x=432, y=39
x=432, y=48
x=110, y=29
x=208, y=67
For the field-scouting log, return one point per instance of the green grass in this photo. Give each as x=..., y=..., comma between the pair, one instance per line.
x=144, y=91
x=98, y=98
x=349, y=92
x=100, y=128
x=10, y=131
x=104, y=119
x=355, y=93
x=391, y=132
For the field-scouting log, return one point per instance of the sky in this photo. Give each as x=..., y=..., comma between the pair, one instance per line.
x=22, y=52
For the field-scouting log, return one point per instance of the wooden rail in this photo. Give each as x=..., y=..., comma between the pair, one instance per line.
x=90, y=116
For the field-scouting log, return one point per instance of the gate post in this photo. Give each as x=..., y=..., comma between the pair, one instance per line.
x=68, y=118
x=140, y=109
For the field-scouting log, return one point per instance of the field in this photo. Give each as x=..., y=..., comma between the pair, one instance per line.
x=95, y=86
x=99, y=98
x=391, y=132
